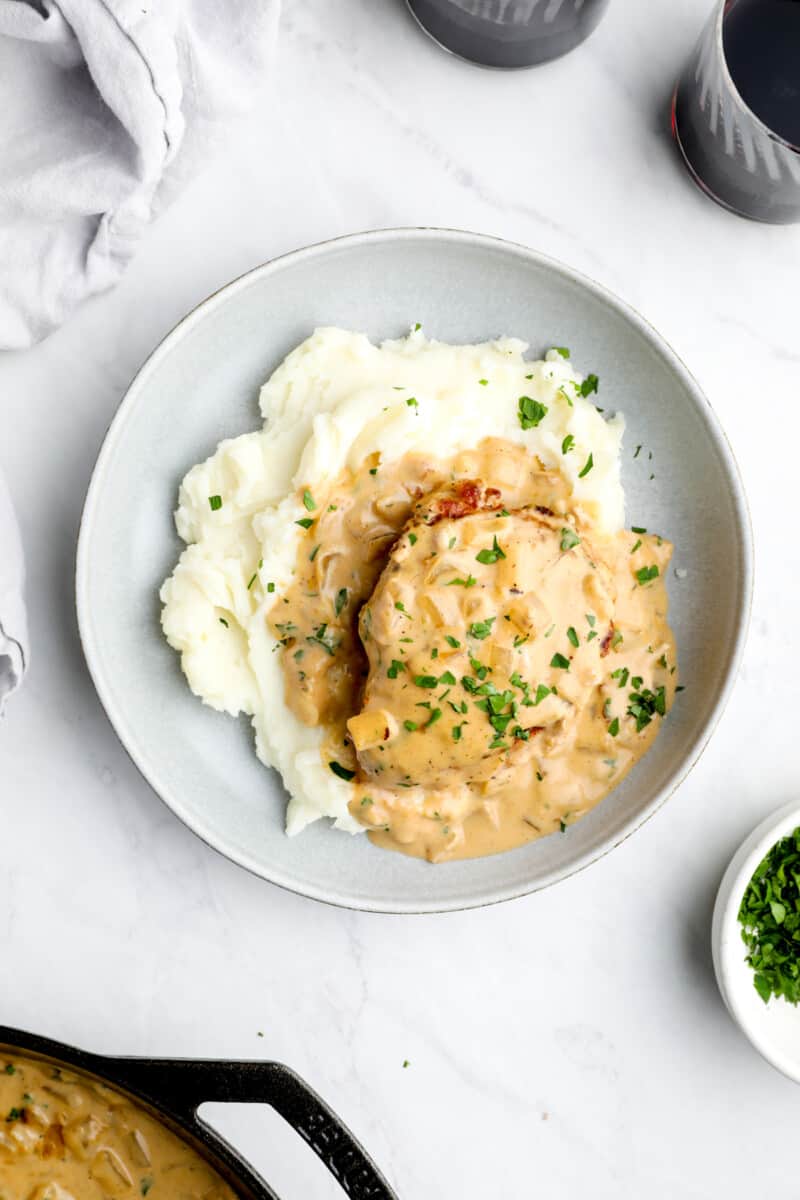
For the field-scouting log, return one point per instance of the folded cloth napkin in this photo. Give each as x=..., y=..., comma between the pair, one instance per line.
x=108, y=106
x=13, y=629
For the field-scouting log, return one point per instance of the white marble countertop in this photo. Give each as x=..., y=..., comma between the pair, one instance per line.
x=570, y=1044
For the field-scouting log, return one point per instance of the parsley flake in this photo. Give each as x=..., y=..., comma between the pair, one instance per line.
x=531, y=412
x=487, y=557
x=646, y=574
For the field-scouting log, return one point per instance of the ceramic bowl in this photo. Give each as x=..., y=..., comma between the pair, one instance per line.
x=201, y=385
x=774, y=1027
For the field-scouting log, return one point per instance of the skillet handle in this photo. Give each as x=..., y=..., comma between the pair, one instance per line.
x=182, y=1086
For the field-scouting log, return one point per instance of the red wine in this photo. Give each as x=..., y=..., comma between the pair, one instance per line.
x=508, y=33
x=736, y=110
x=761, y=40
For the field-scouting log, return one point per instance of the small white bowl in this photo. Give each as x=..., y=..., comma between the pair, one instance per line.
x=773, y=1028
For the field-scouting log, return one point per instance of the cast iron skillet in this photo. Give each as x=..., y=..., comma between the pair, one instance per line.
x=173, y=1090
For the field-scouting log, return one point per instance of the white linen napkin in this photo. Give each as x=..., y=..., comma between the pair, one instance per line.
x=108, y=106
x=13, y=628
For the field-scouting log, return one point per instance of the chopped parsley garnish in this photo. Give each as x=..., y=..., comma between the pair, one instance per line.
x=305, y=522
x=15, y=1114
x=470, y=581
x=373, y=470
x=589, y=385
x=314, y=553
x=483, y=382
x=638, y=529
x=253, y=578
x=520, y=640
x=308, y=501
x=487, y=557
x=637, y=451
x=481, y=629
x=215, y=502
x=395, y=668
x=451, y=641
x=411, y=726
x=455, y=732
x=367, y=800
x=613, y=728
x=412, y=402
x=567, y=444
x=644, y=705
x=434, y=717
x=646, y=574
x=569, y=539
x=531, y=412
x=147, y=1182
x=340, y=601
x=770, y=918
x=587, y=467
x=562, y=825
x=573, y=636
x=322, y=638
x=400, y=607
x=636, y=545
x=541, y=692
x=222, y=621
x=621, y=674
x=562, y=350
x=270, y=587
x=558, y=660
x=591, y=619
x=10, y=1069
x=426, y=681
x=412, y=537
x=448, y=679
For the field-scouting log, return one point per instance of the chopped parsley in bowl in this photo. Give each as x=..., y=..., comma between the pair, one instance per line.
x=756, y=938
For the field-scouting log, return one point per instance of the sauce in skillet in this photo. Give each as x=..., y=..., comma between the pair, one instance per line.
x=486, y=665
x=66, y=1136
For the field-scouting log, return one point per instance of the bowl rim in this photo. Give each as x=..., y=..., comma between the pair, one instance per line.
x=216, y=299
x=725, y=928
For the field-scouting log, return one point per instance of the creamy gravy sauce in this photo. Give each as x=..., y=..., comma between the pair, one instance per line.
x=486, y=665
x=66, y=1136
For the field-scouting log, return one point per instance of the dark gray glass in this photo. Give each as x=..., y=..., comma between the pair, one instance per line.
x=508, y=33
x=736, y=109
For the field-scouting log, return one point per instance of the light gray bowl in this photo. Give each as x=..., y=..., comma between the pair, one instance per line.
x=201, y=385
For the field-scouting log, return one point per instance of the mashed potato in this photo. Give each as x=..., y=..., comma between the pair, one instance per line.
x=336, y=400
